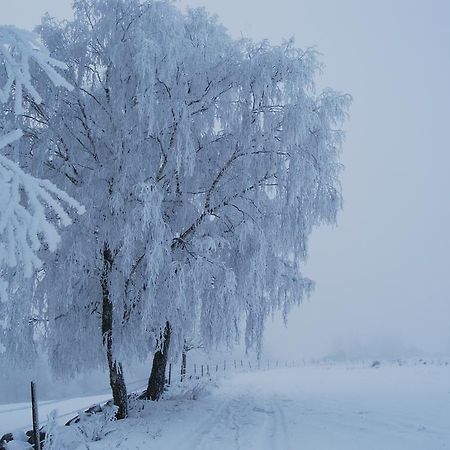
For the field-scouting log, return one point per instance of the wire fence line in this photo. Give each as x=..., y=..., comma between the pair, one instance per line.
x=198, y=370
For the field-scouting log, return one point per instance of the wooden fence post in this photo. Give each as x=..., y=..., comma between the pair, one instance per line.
x=34, y=408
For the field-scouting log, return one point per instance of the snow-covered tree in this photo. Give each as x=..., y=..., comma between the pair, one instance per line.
x=204, y=164
x=25, y=201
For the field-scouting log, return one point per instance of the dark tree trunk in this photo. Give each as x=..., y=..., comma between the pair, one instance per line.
x=157, y=378
x=183, y=365
x=116, y=379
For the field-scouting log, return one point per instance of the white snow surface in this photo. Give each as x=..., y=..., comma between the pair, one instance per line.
x=314, y=407
x=18, y=415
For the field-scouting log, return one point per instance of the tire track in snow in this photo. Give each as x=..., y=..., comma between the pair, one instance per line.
x=249, y=420
x=235, y=426
x=274, y=429
x=202, y=435
x=283, y=442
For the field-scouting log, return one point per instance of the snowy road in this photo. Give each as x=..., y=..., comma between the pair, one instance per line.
x=310, y=408
x=18, y=415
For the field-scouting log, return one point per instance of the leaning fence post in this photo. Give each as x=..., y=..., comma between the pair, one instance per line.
x=195, y=369
x=202, y=369
x=34, y=409
x=170, y=373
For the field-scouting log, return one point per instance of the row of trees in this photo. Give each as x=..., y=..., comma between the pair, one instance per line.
x=203, y=164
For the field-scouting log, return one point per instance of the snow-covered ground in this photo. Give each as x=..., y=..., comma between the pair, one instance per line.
x=18, y=415
x=314, y=408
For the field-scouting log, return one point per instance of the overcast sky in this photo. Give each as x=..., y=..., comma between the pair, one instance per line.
x=382, y=275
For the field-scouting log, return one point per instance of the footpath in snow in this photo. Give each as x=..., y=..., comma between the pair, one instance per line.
x=312, y=408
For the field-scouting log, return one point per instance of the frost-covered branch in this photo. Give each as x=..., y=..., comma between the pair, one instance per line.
x=31, y=210
x=18, y=48
x=26, y=203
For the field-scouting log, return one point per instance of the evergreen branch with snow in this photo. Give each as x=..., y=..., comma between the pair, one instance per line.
x=18, y=50
x=24, y=218
x=31, y=210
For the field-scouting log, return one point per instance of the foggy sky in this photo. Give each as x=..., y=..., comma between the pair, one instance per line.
x=383, y=273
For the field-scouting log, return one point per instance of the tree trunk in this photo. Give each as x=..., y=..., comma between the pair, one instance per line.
x=183, y=364
x=157, y=378
x=116, y=378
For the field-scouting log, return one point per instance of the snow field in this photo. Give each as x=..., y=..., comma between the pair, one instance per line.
x=313, y=408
